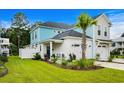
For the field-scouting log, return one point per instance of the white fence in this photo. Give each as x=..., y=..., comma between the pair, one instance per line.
x=27, y=52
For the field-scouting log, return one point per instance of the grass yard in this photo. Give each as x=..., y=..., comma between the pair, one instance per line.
x=119, y=56
x=36, y=71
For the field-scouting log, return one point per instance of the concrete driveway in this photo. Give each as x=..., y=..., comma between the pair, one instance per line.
x=110, y=65
x=118, y=60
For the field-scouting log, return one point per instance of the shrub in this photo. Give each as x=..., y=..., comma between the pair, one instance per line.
x=37, y=56
x=3, y=59
x=73, y=64
x=64, y=62
x=110, y=58
x=86, y=63
x=63, y=56
x=53, y=58
x=59, y=62
x=72, y=57
x=53, y=55
x=97, y=56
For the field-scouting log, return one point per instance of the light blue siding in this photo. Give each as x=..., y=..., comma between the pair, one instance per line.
x=34, y=39
x=43, y=33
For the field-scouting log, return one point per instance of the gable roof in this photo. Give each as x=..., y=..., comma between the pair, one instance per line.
x=69, y=33
x=63, y=25
x=102, y=14
x=57, y=25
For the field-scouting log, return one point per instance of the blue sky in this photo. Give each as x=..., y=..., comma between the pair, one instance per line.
x=68, y=16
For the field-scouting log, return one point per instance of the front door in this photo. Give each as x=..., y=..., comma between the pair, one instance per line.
x=48, y=51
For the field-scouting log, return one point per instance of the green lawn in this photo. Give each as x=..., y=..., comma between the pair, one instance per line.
x=37, y=71
x=119, y=56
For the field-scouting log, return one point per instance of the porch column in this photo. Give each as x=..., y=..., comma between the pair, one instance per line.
x=51, y=48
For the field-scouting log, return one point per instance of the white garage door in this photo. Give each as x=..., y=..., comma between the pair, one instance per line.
x=103, y=51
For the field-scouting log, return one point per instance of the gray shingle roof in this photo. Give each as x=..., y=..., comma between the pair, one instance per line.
x=57, y=25
x=69, y=33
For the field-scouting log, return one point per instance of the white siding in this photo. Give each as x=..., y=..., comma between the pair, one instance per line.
x=103, y=23
x=66, y=48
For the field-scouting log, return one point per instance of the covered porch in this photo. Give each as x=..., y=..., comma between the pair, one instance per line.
x=49, y=46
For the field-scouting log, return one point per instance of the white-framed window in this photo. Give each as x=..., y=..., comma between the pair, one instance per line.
x=105, y=33
x=40, y=47
x=99, y=30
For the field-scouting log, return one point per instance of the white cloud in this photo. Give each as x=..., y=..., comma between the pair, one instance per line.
x=116, y=30
x=117, y=24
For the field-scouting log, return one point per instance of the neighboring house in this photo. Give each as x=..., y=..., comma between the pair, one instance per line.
x=4, y=46
x=58, y=38
x=118, y=45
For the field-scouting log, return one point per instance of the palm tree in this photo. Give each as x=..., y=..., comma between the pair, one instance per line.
x=84, y=21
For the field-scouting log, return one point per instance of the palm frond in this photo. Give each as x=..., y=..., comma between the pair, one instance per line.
x=84, y=21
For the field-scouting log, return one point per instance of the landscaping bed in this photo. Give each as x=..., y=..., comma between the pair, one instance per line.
x=80, y=69
x=3, y=71
x=71, y=63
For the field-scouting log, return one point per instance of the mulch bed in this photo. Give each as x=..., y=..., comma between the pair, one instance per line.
x=78, y=68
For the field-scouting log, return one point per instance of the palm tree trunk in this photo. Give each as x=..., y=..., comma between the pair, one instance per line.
x=84, y=45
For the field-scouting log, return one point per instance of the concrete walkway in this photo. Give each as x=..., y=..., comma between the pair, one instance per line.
x=110, y=65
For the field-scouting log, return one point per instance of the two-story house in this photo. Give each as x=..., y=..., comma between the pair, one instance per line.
x=62, y=39
x=4, y=46
x=118, y=45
